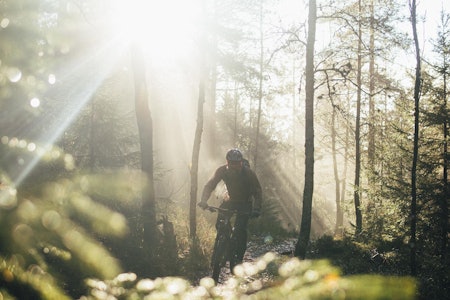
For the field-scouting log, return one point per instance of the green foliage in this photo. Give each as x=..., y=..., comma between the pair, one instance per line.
x=34, y=283
x=270, y=277
x=353, y=257
x=52, y=219
x=65, y=227
x=269, y=223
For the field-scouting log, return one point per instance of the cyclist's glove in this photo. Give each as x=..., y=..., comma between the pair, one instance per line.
x=255, y=213
x=203, y=205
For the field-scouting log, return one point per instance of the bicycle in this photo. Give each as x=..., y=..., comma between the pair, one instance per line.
x=222, y=252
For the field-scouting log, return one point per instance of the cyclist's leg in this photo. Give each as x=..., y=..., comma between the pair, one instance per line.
x=221, y=218
x=217, y=257
x=239, y=239
x=220, y=250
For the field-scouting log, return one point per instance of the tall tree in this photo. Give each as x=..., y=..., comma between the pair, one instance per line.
x=337, y=185
x=417, y=85
x=357, y=185
x=145, y=128
x=260, y=83
x=434, y=116
x=305, y=226
x=198, y=132
x=371, y=146
x=340, y=215
x=195, y=160
x=442, y=47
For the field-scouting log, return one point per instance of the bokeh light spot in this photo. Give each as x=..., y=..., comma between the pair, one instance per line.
x=69, y=162
x=51, y=220
x=8, y=197
x=145, y=285
x=14, y=74
x=22, y=144
x=207, y=282
x=52, y=79
x=289, y=268
x=23, y=233
x=35, y=102
x=311, y=275
x=31, y=147
x=13, y=142
x=118, y=223
x=176, y=286
x=126, y=277
x=4, y=23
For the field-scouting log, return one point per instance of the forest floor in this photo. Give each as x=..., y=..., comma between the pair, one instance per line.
x=257, y=246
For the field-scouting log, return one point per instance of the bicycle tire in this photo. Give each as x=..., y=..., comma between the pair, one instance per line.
x=221, y=248
x=219, y=257
x=232, y=255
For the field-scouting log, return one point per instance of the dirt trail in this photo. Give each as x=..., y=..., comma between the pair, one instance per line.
x=258, y=246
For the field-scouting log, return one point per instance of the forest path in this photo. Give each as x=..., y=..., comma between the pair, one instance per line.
x=257, y=246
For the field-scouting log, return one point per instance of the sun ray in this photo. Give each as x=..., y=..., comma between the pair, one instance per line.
x=73, y=90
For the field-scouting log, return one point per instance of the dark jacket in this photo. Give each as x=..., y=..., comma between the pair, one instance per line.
x=241, y=186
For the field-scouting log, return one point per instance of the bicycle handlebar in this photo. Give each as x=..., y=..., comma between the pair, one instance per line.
x=226, y=210
x=216, y=208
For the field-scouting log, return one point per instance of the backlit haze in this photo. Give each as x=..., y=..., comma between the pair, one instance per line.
x=169, y=32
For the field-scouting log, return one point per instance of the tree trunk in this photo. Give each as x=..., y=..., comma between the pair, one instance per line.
x=305, y=227
x=372, y=127
x=446, y=190
x=260, y=90
x=145, y=127
x=337, y=183
x=340, y=215
x=195, y=159
x=413, y=213
x=210, y=128
x=357, y=188
x=337, y=187
x=198, y=136
x=372, y=202
x=444, y=199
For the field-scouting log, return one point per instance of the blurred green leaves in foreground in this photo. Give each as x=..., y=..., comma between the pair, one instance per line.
x=270, y=277
x=58, y=226
x=67, y=235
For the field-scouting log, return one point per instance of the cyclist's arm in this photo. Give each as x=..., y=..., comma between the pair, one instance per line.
x=211, y=184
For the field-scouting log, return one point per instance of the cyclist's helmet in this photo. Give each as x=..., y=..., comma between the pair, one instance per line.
x=234, y=155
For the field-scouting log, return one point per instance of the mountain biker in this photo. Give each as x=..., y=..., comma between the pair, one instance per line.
x=244, y=196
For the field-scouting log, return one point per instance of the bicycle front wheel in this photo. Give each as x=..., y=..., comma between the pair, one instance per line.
x=219, y=256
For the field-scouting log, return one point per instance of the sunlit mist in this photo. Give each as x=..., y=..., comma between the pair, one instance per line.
x=72, y=88
x=165, y=29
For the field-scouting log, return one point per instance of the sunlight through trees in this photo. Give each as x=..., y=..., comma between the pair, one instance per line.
x=113, y=113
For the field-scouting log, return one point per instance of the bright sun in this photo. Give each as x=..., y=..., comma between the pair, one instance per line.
x=164, y=28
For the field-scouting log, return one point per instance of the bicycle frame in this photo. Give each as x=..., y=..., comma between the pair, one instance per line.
x=222, y=251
